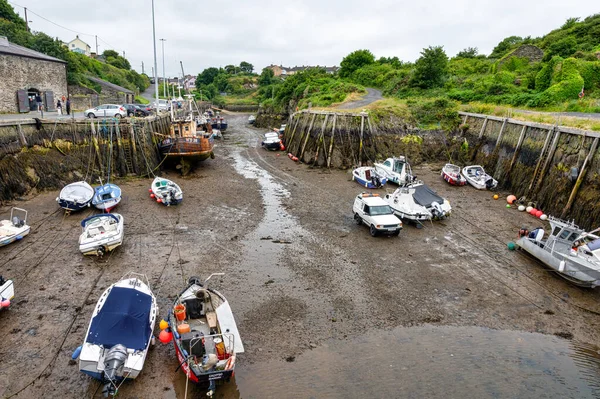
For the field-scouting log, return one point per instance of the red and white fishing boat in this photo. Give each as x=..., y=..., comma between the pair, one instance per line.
x=451, y=173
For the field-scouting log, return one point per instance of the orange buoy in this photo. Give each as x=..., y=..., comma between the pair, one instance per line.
x=511, y=199
x=281, y=146
x=165, y=336
x=290, y=155
x=183, y=328
x=163, y=324
x=496, y=196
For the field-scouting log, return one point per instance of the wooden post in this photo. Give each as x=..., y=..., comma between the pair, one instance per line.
x=465, y=120
x=307, y=136
x=133, y=148
x=331, y=141
x=97, y=148
x=320, y=139
x=21, y=135
x=289, y=143
x=360, y=145
x=588, y=160
x=549, y=157
x=517, y=148
x=302, y=132
x=537, y=167
x=500, y=134
x=483, y=127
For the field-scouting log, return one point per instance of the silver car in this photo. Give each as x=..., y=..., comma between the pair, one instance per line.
x=163, y=105
x=106, y=111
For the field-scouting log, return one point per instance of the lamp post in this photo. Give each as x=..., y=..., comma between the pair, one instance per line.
x=164, y=73
x=155, y=73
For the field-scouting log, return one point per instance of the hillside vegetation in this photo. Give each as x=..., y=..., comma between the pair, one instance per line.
x=115, y=69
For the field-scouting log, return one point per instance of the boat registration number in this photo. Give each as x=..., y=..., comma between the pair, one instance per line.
x=216, y=376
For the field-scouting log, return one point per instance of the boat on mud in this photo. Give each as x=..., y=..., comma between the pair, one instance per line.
x=75, y=196
x=205, y=334
x=166, y=191
x=189, y=141
x=251, y=119
x=7, y=293
x=101, y=234
x=15, y=228
x=396, y=169
x=218, y=122
x=271, y=141
x=106, y=197
x=568, y=250
x=119, y=334
x=476, y=176
x=451, y=173
x=369, y=177
x=417, y=203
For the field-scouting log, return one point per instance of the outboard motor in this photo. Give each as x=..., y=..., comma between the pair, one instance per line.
x=489, y=183
x=376, y=181
x=113, y=362
x=436, y=211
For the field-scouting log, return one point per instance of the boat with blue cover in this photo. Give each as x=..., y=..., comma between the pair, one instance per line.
x=75, y=196
x=120, y=332
x=106, y=197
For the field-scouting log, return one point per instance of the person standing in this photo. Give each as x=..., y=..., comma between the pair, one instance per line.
x=68, y=105
x=59, y=107
x=63, y=99
x=38, y=100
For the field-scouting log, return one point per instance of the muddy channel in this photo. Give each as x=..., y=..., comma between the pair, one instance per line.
x=324, y=309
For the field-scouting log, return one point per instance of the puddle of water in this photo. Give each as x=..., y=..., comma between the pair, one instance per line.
x=429, y=361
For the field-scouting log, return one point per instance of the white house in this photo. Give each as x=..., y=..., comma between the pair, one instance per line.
x=79, y=46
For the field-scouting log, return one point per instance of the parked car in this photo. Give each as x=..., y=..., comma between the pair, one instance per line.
x=146, y=109
x=374, y=212
x=106, y=111
x=163, y=105
x=136, y=110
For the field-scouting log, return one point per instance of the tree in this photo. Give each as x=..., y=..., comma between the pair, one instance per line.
x=246, y=67
x=431, y=68
x=207, y=76
x=505, y=46
x=393, y=61
x=469, y=52
x=230, y=69
x=110, y=53
x=354, y=61
x=221, y=82
x=563, y=47
x=569, y=23
x=266, y=77
x=8, y=13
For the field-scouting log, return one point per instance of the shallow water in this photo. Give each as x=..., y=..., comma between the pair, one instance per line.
x=423, y=362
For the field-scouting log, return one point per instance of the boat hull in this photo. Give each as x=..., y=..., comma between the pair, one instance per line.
x=190, y=148
x=454, y=181
x=15, y=237
x=72, y=206
x=273, y=146
x=369, y=183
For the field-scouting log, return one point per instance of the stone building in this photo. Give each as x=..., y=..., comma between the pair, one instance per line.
x=25, y=73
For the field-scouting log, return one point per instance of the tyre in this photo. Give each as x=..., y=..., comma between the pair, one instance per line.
x=373, y=231
x=118, y=116
x=91, y=115
x=397, y=232
x=357, y=219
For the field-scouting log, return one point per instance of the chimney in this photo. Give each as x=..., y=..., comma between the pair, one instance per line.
x=3, y=41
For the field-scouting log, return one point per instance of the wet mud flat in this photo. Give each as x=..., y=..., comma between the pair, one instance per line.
x=323, y=308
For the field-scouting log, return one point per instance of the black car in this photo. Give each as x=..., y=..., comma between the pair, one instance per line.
x=144, y=109
x=136, y=110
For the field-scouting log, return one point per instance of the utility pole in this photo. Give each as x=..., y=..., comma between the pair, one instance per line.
x=143, y=67
x=97, y=46
x=154, y=71
x=164, y=73
x=26, y=19
x=123, y=53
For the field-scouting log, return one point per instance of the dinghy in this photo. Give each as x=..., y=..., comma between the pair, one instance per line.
x=166, y=191
x=107, y=197
x=272, y=141
x=206, y=337
x=369, y=177
x=14, y=229
x=477, y=177
x=75, y=196
x=568, y=250
x=251, y=119
x=451, y=173
x=119, y=334
x=417, y=202
x=101, y=234
x=7, y=293
x=396, y=169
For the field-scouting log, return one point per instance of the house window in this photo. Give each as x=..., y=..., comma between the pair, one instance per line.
x=72, y=45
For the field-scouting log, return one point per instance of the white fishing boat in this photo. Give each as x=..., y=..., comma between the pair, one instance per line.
x=75, y=196
x=101, y=234
x=119, y=334
x=569, y=250
x=206, y=337
x=7, y=293
x=107, y=197
x=251, y=119
x=417, y=202
x=451, y=173
x=396, y=169
x=15, y=228
x=477, y=177
x=271, y=141
x=166, y=191
x=369, y=177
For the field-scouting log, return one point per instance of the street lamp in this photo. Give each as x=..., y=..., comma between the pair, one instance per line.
x=155, y=72
x=164, y=73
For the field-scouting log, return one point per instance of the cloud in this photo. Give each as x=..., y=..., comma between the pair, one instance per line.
x=300, y=32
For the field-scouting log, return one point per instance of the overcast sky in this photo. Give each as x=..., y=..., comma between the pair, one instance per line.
x=295, y=32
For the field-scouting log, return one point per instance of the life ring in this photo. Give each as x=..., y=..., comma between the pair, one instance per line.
x=230, y=362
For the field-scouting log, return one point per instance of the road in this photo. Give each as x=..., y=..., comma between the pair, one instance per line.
x=582, y=115
x=323, y=308
x=149, y=93
x=371, y=96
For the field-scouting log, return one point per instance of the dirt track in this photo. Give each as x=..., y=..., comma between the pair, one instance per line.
x=299, y=272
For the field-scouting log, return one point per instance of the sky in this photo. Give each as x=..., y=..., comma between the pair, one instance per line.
x=297, y=32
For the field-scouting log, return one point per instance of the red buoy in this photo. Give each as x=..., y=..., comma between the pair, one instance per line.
x=165, y=336
x=158, y=200
x=538, y=214
x=149, y=190
x=281, y=146
x=533, y=211
x=152, y=195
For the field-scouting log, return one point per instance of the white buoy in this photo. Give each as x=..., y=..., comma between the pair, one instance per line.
x=544, y=217
x=521, y=208
x=528, y=209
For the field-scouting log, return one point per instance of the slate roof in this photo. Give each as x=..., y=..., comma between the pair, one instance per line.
x=111, y=85
x=9, y=48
